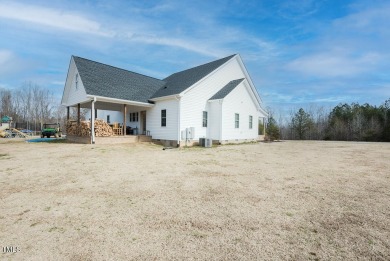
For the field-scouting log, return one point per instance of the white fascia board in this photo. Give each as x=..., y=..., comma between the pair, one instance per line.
x=67, y=78
x=169, y=97
x=201, y=80
x=263, y=112
x=119, y=101
x=248, y=78
x=248, y=87
x=81, y=102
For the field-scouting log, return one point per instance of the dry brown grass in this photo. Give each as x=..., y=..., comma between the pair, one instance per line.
x=267, y=201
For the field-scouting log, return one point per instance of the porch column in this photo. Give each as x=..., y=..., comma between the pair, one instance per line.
x=67, y=113
x=124, y=119
x=92, y=122
x=78, y=113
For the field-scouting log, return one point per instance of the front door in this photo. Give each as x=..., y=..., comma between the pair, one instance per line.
x=143, y=122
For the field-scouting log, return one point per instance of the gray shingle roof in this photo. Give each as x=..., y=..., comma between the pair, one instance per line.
x=222, y=93
x=180, y=81
x=108, y=81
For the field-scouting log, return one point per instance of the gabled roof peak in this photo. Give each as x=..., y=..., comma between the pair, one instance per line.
x=114, y=67
x=180, y=81
x=223, y=60
x=108, y=81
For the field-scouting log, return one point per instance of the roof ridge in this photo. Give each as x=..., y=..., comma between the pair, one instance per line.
x=230, y=56
x=115, y=67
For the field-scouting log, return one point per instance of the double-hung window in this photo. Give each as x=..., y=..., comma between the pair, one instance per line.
x=77, y=81
x=204, y=121
x=134, y=117
x=250, y=122
x=163, y=118
x=237, y=120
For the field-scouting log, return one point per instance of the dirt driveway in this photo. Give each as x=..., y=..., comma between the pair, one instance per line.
x=268, y=201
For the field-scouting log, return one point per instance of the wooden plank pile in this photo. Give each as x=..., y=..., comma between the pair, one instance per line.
x=102, y=129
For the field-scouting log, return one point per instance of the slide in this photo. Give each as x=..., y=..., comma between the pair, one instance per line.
x=19, y=134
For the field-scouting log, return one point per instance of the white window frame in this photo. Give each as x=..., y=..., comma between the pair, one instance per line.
x=77, y=81
x=204, y=119
x=134, y=117
x=236, y=120
x=164, y=123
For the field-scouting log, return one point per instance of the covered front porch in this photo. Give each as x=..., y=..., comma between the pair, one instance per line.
x=109, y=121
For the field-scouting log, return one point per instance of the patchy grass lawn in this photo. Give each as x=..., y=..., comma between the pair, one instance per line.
x=272, y=201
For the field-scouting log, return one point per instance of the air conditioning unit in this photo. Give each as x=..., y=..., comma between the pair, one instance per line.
x=202, y=142
x=208, y=143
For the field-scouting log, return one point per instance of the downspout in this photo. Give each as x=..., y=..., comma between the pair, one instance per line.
x=177, y=97
x=93, y=121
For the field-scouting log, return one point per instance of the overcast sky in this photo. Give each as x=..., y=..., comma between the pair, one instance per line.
x=297, y=52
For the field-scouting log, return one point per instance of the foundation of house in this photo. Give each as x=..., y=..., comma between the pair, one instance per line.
x=109, y=140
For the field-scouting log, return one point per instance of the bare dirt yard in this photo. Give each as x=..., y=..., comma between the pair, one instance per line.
x=266, y=201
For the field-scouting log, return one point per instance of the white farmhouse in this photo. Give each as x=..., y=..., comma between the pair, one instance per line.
x=216, y=100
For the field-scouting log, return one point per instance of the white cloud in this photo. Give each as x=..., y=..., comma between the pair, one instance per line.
x=176, y=42
x=369, y=19
x=9, y=63
x=51, y=18
x=331, y=99
x=62, y=83
x=5, y=58
x=334, y=64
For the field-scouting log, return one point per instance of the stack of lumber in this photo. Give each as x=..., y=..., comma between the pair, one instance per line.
x=102, y=129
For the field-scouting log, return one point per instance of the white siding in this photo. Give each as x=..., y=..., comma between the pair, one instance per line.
x=72, y=95
x=115, y=116
x=153, y=120
x=194, y=102
x=214, y=120
x=241, y=102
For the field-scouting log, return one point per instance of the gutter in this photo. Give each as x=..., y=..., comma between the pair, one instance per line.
x=120, y=101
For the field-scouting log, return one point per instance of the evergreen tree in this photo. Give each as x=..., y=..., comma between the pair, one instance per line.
x=272, y=130
x=301, y=123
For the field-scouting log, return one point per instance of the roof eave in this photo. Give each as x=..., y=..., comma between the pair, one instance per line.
x=168, y=97
x=119, y=101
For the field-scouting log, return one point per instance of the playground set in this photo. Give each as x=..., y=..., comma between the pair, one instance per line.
x=7, y=131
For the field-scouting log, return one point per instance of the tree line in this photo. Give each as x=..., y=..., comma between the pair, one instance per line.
x=30, y=106
x=347, y=122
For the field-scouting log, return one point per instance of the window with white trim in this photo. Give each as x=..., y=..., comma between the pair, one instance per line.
x=250, y=122
x=237, y=120
x=204, y=121
x=134, y=117
x=163, y=118
x=77, y=81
